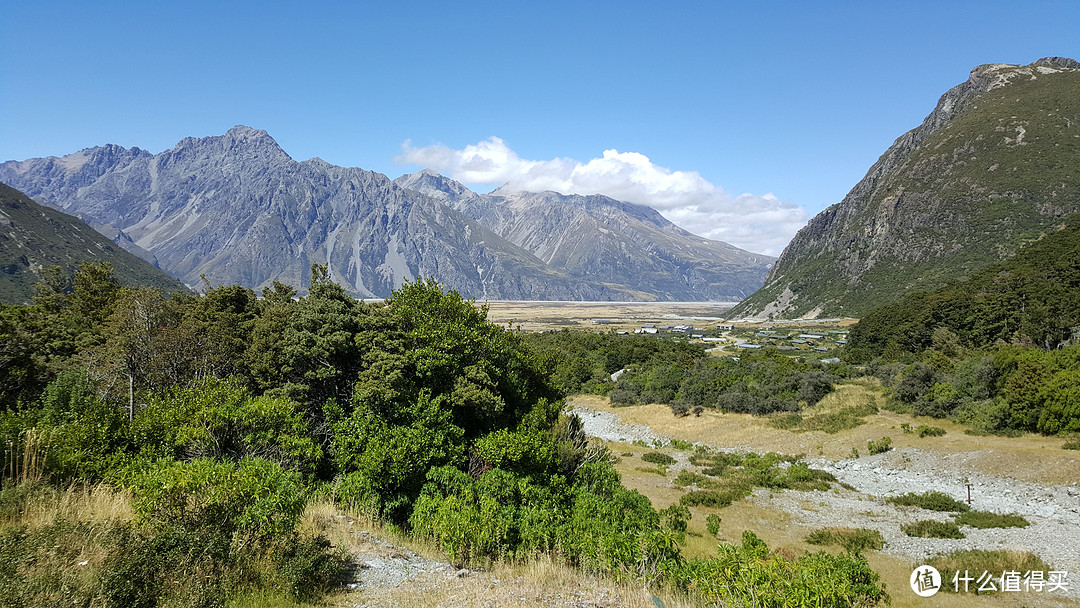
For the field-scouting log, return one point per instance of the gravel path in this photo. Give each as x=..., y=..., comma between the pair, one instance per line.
x=1053, y=510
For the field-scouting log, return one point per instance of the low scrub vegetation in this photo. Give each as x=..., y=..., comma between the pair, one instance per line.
x=931, y=501
x=974, y=562
x=659, y=458
x=928, y=528
x=850, y=539
x=986, y=519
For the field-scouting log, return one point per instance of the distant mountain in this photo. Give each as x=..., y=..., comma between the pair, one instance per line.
x=34, y=237
x=237, y=209
x=600, y=239
x=995, y=165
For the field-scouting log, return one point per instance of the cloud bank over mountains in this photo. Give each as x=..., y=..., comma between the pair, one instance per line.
x=758, y=223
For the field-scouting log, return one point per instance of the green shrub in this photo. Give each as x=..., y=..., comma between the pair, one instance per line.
x=1071, y=445
x=659, y=458
x=712, y=524
x=928, y=528
x=851, y=539
x=879, y=446
x=930, y=431
x=931, y=501
x=986, y=519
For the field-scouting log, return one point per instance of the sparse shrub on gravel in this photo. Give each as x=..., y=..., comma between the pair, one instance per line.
x=986, y=519
x=1072, y=445
x=928, y=528
x=851, y=539
x=931, y=501
x=879, y=446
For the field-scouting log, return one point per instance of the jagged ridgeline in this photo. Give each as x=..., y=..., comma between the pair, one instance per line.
x=995, y=165
x=1032, y=298
x=35, y=239
x=237, y=209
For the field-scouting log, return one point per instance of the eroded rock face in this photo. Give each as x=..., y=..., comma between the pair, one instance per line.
x=993, y=165
x=237, y=209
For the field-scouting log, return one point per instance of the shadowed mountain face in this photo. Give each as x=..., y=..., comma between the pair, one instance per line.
x=995, y=165
x=237, y=209
x=34, y=238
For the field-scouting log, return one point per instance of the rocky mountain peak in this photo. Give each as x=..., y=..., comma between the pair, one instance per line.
x=431, y=183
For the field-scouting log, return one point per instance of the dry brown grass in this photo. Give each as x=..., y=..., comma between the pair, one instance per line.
x=78, y=502
x=540, y=582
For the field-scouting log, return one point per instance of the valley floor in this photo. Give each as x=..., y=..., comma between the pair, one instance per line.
x=1030, y=475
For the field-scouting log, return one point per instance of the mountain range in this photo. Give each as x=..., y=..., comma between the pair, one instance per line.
x=994, y=166
x=237, y=209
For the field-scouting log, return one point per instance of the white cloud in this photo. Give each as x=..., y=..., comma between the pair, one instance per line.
x=759, y=223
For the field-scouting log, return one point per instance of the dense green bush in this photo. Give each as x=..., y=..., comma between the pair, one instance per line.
x=750, y=575
x=253, y=500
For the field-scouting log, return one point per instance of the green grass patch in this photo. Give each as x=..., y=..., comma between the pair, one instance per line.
x=986, y=519
x=928, y=528
x=1071, y=445
x=931, y=501
x=851, y=539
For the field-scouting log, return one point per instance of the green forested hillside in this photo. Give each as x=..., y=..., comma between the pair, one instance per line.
x=34, y=239
x=1033, y=299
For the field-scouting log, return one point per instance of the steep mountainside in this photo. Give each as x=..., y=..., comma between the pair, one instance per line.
x=237, y=209
x=34, y=237
x=996, y=164
x=608, y=241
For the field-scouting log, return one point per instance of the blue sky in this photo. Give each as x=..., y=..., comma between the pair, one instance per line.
x=767, y=112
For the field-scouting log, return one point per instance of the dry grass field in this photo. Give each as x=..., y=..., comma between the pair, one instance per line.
x=600, y=316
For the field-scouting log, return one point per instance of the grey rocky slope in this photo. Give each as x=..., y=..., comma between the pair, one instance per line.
x=605, y=240
x=238, y=210
x=993, y=166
